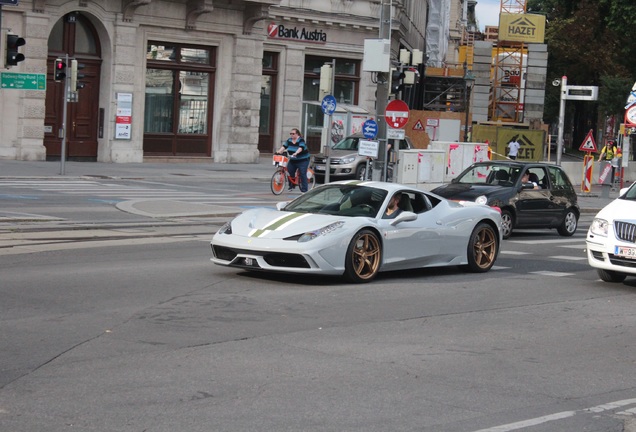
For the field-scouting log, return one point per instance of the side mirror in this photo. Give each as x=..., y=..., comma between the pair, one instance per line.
x=405, y=216
x=281, y=205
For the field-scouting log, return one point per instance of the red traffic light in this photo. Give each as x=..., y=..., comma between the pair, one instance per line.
x=59, y=70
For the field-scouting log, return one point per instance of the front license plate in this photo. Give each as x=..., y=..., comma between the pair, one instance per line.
x=250, y=262
x=625, y=252
x=320, y=168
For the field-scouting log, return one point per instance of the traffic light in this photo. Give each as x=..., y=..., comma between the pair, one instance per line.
x=397, y=77
x=59, y=70
x=75, y=85
x=325, y=81
x=13, y=56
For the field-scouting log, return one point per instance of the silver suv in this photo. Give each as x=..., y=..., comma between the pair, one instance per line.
x=345, y=160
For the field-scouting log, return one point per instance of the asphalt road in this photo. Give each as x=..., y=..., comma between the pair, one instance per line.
x=112, y=321
x=140, y=333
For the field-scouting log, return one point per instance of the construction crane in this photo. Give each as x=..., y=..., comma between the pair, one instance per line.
x=508, y=72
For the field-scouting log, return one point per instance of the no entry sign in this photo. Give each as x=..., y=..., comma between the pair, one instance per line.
x=397, y=114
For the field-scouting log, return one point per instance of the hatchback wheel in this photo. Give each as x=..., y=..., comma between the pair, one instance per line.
x=569, y=224
x=507, y=221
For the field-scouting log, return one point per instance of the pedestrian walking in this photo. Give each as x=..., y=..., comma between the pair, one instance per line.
x=610, y=154
x=513, y=148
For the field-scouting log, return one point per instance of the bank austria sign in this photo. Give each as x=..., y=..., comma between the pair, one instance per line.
x=279, y=31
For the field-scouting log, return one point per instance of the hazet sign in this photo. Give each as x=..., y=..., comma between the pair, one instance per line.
x=521, y=27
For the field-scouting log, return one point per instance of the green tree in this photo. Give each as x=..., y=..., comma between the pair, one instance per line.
x=590, y=42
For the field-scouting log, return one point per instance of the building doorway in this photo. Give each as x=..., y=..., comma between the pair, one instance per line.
x=268, y=103
x=73, y=35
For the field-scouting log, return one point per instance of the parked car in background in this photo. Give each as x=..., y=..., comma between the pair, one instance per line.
x=340, y=229
x=345, y=162
x=553, y=204
x=611, y=238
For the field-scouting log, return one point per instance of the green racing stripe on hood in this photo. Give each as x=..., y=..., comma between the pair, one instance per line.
x=276, y=224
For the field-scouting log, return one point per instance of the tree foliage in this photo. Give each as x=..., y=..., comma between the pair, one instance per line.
x=592, y=43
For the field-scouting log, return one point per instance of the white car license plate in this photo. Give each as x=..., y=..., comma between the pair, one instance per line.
x=320, y=168
x=625, y=252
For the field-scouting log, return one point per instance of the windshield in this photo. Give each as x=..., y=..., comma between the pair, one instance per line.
x=490, y=174
x=347, y=144
x=340, y=200
x=630, y=194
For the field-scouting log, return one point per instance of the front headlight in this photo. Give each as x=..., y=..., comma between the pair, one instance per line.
x=308, y=236
x=225, y=229
x=347, y=160
x=599, y=227
x=482, y=199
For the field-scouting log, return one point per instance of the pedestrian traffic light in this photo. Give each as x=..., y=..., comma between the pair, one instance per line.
x=12, y=54
x=397, y=80
x=76, y=85
x=59, y=70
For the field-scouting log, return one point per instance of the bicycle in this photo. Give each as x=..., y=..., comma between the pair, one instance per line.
x=283, y=178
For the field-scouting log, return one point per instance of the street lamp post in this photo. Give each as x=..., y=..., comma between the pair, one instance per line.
x=469, y=80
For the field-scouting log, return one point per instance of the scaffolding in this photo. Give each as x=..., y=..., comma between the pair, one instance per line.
x=508, y=73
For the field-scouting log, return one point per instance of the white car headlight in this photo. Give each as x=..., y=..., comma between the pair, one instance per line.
x=599, y=227
x=308, y=236
x=482, y=199
x=226, y=228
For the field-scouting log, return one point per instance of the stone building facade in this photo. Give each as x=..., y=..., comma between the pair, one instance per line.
x=214, y=80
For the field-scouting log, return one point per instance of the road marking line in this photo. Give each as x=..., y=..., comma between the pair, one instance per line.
x=570, y=258
x=558, y=416
x=540, y=242
x=551, y=273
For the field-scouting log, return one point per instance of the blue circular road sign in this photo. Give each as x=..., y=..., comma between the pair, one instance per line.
x=370, y=129
x=328, y=104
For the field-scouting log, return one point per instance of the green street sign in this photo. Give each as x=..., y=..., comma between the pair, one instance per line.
x=22, y=81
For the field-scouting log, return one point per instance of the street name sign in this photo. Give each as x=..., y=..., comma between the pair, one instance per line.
x=581, y=93
x=22, y=81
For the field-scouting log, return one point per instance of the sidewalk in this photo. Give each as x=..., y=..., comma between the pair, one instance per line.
x=590, y=202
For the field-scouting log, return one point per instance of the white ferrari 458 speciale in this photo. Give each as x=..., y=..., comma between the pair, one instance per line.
x=343, y=229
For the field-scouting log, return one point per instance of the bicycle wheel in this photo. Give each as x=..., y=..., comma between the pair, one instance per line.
x=311, y=179
x=278, y=182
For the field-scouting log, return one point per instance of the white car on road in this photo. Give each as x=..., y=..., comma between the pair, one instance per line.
x=611, y=239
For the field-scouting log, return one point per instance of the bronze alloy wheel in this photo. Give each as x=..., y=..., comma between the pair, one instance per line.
x=363, y=257
x=482, y=248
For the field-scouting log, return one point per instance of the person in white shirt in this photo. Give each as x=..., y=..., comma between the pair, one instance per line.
x=513, y=149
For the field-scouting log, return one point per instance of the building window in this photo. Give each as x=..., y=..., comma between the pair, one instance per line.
x=177, y=99
x=346, y=83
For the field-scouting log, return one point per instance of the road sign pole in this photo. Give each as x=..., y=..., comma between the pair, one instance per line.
x=328, y=146
x=564, y=84
x=382, y=89
x=64, y=114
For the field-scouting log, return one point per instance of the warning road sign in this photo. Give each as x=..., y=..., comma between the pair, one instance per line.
x=589, y=145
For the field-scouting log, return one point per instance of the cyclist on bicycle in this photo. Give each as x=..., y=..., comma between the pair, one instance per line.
x=298, y=157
